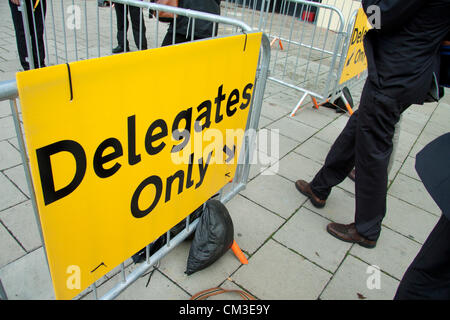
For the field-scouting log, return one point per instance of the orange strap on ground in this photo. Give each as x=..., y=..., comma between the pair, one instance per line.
x=238, y=253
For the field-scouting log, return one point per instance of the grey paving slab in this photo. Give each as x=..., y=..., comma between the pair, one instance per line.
x=408, y=168
x=440, y=117
x=14, y=142
x=306, y=225
x=285, y=101
x=274, y=193
x=7, y=129
x=413, y=192
x=21, y=222
x=261, y=161
x=408, y=220
x=272, y=143
x=295, y=166
x=275, y=272
x=427, y=108
x=263, y=122
x=257, y=169
x=396, y=165
x=293, y=129
x=329, y=133
x=413, y=121
x=416, y=148
x=405, y=143
x=10, y=195
x=28, y=278
x=9, y=156
x=273, y=88
x=5, y=109
x=272, y=111
x=9, y=66
x=174, y=266
x=253, y=224
x=393, y=253
x=340, y=206
x=314, y=149
x=435, y=128
x=9, y=247
x=17, y=176
x=430, y=133
x=352, y=282
x=7, y=76
x=313, y=117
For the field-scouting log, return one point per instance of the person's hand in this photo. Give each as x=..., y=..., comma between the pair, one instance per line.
x=16, y=2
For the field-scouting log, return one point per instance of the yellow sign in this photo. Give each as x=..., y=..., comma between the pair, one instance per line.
x=356, y=61
x=124, y=147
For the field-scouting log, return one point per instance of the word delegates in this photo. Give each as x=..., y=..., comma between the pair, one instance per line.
x=156, y=139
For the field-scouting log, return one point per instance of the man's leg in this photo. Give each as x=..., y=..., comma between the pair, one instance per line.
x=20, y=35
x=138, y=25
x=428, y=276
x=37, y=32
x=365, y=142
x=168, y=39
x=341, y=157
x=339, y=161
x=373, y=149
x=121, y=26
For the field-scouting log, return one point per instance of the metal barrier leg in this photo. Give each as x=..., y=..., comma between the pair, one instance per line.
x=314, y=100
x=347, y=105
x=298, y=104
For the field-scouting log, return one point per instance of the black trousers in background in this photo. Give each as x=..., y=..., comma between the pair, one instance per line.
x=179, y=38
x=366, y=143
x=37, y=34
x=428, y=276
x=137, y=22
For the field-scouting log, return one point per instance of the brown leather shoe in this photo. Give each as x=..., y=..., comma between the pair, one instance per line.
x=348, y=233
x=305, y=189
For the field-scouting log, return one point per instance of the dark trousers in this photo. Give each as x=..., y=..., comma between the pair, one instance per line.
x=366, y=144
x=36, y=20
x=179, y=38
x=428, y=276
x=137, y=24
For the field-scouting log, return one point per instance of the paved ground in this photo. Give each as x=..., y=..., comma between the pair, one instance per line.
x=290, y=254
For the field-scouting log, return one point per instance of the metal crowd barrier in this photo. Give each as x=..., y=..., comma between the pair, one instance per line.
x=306, y=55
x=63, y=44
x=74, y=29
x=308, y=37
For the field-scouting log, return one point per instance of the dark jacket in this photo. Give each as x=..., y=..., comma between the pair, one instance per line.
x=404, y=52
x=203, y=29
x=433, y=169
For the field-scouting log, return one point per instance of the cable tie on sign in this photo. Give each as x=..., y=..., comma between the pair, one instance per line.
x=245, y=43
x=70, y=82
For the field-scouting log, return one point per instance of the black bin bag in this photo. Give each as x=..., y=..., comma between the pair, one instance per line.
x=213, y=237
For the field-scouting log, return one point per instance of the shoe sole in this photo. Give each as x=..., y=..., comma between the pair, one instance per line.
x=362, y=244
x=315, y=203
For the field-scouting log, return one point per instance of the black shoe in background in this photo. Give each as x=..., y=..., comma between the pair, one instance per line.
x=119, y=49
